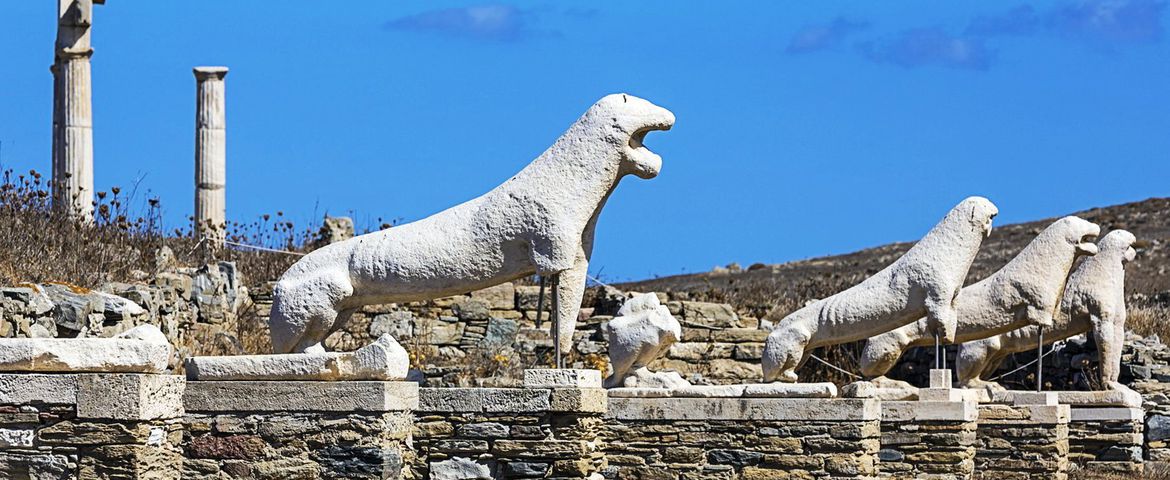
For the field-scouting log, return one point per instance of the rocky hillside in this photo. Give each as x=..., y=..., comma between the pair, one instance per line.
x=756, y=289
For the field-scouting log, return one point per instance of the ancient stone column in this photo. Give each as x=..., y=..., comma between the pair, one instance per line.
x=72, y=110
x=210, y=154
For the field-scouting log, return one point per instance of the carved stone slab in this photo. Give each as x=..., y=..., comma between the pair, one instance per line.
x=142, y=349
x=383, y=360
x=796, y=409
x=300, y=396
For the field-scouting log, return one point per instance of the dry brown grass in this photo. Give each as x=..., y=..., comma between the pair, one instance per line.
x=1147, y=318
x=39, y=245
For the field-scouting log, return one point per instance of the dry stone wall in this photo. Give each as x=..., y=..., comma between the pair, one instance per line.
x=734, y=438
x=295, y=445
x=1106, y=439
x=463, y=433
x=1022, y=442
x=90, y=426
x=487, y=337
x=196, y=308
x=928, y=439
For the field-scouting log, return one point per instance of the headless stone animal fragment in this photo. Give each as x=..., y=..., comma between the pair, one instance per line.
x=540, y=221
x=923, y=282
x=1094, y=301
x=142, y=349
x=641, y=332
x=1024, y=292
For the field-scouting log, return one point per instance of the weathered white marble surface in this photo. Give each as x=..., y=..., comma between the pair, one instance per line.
x=751, y=390
x=142, y=349
x=711, y=409
x=1093, y=301
x=923, y=282
x=562, y=378
x=384, y=359
x=300, y=396
x=642, y=331
x=1122, y=397
x=1024, y=292
x=540, y=221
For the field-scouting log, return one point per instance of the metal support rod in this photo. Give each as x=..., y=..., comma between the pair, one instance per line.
x=1040, y=360
x=943, y=350
x=540, y=302
x=556, y=320
x=937, y=348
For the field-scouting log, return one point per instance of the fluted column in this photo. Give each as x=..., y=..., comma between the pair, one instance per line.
x=72, y=110
x=210, y=154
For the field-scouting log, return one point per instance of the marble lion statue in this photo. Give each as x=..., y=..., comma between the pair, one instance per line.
x=540, y=221
x=923, y=282
x=1024, y=292
x=642, y=331
x=1094, y=301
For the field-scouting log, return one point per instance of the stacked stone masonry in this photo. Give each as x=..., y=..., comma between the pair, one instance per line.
x=667, y=438
x=90, y=426
x=1106, y=439
x=298, y=429
x=1022, y=442
x=296, y=445
x=99, y=426
x=928, y=440
x=509, y=433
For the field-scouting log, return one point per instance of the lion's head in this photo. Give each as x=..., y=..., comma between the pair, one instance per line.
x=1079, y=233
x=982, y=212
x=1119, y=241
x=627, y=120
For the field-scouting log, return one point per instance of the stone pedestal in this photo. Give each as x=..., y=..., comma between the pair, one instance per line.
x=509, y=432
x=1106, y=439
x=298, y=429
x=684, y=438
x=90, y=425
x=928, y=439
x=1023, y=441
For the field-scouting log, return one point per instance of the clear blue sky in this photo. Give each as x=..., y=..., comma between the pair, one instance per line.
x=804, y=129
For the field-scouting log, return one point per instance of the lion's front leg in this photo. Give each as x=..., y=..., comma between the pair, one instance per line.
x=942, y=319
x=569, y=292
x=1108, y=348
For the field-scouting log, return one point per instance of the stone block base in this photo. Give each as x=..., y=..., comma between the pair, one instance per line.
x=1106, y=439
x=924, y=439
x=297, y=445
x=508, y=433
x=298, y=429
x=90, y=426
x=751, y=438
x=1022, y=442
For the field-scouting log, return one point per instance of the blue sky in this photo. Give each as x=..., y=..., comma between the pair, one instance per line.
x=803, y=129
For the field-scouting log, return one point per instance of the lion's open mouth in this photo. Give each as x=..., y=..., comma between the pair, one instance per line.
x=1087, y=246
x=646, y=163
x=638, y=139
